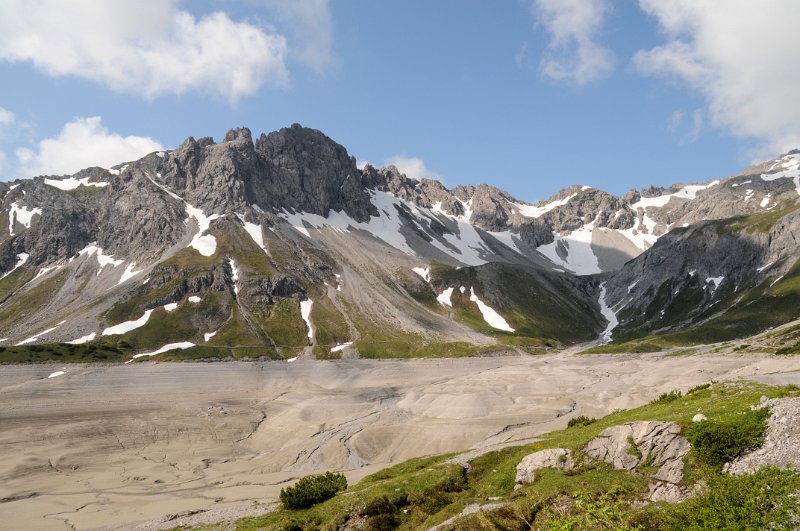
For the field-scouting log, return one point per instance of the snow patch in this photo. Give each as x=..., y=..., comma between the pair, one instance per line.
x=205, y=244
x=305, y=313
x=762, y=268
x=40, y=334
x=492, y=318
x=748, y=195
x=687, y=192
x=21, y=259
x=789, y=169
x=57, y=374
x=642, y=240
x=127, y=326
x=209, y=335
x=445, y=297
x=84, y=339
x=166, y=348
x=43, y=271
x=339, y=348
x=234, y=276
x=171, y=307
x=425, y=273
x=195, y=299
x=21, y=215
x=102, y=259
x=531, y=211
x=255, y=233
x=71, y=183
x=580, y=258
x=608, y=313
x=129, y=273
x=765, y=201
x=466, y=245
x=507, y=238
x=713, y=280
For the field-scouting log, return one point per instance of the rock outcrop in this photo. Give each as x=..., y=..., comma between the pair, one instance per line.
x=559, y=458
x=645, y=443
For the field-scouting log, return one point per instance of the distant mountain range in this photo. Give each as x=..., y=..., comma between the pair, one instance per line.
x=283, y=247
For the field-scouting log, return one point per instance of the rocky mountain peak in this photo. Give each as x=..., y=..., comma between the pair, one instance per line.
x=239, y=133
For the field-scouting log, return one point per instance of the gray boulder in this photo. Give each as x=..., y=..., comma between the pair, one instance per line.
x=645, y=443
x=559, y=458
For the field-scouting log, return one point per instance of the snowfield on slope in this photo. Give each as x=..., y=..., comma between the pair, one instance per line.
x=466, y=247
x=127, y=326
x=492, y=318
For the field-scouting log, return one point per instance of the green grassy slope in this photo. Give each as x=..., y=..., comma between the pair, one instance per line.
x=423, y=492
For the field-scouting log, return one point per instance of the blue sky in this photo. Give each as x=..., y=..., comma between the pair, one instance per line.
x=530, y=96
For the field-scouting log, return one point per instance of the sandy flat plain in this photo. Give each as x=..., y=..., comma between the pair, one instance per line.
x=131, y=446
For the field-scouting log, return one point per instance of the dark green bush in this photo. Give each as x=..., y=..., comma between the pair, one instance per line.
x=698, y=388
x=454, y=483
x=311, y=490
x=429, y=501
x=385, y=505
x=381, y=522
x=666, y=398
x=764, y=500
x=718, y=442
x=581, y=420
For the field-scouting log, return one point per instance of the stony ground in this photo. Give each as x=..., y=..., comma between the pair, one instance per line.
x=123, y=446
x=782, y=445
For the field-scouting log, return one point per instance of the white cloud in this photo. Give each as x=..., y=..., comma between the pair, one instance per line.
x=310, y=27
x=144, y=48
x=82, y=142
x=739, y=55
x=413, y=167
x=573, y=53
x=6, y=117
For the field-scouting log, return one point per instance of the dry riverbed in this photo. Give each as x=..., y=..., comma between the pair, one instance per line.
x=124, y=446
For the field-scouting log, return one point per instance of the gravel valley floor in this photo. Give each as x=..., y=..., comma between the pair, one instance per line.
x=148, y=445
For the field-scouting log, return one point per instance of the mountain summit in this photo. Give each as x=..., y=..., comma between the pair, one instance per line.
x=283, y=247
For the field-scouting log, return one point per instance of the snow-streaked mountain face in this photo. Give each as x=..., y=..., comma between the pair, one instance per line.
x=284, y=245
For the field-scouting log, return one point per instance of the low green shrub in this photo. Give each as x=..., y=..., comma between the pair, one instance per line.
x=381, y=522
x=581, y=420
x=764, y=500
x=429, y=501
x=666, y=398
x=607, y=510
x=385, y=505
x=698, y=388
x=716, y=442
x=311, y=490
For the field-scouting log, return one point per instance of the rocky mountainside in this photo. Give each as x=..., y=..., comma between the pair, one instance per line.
x=284, y=247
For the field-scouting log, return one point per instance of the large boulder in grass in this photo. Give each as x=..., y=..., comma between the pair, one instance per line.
x=645, y=443
x=559, y=458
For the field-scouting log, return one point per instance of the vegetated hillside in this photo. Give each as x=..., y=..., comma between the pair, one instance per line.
x=580, y=491
x=284, y=247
